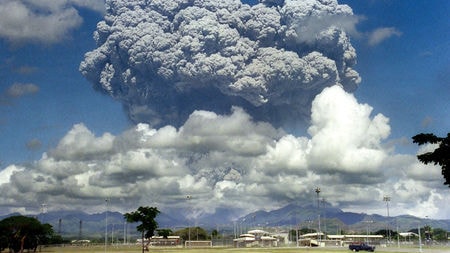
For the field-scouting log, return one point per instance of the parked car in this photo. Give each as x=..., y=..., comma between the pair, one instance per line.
x=361, y=246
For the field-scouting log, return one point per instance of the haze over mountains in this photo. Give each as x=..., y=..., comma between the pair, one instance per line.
x=333, y=220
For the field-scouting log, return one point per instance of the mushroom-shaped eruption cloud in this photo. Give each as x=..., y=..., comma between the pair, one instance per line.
x=165, y=59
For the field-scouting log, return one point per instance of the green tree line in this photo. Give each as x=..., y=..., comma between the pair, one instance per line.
x=19, y=233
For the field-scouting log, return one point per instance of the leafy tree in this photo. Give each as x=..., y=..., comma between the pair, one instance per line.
x=215, y=234
x=164, y=232
x=3, y=241
x=57, y=239
x=440, y=156
x=307, y=231
x=145, y=215
x=21, y=232
x=439, y=234
x=292, y=236
x=46, y=234
x=183, y=233
x=416, y=231
x=196, y=233
x=387, y=232
x=200, y=233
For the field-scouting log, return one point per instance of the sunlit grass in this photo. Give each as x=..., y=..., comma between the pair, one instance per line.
x=137, y=249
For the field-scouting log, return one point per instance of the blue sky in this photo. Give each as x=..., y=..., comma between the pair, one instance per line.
x=402, y=52
x=64, y=96
x=405, y=76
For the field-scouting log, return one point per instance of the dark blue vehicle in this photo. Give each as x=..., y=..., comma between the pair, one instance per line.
x=361, y=246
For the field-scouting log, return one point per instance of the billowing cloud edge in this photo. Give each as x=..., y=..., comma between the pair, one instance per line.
x=231, y=162
x=42, y=22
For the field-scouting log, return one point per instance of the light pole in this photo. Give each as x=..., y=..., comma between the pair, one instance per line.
x=43, y=211
x=318, y=211
x=309, y=230
x=398, y=235
x=420, y=238
x=386, y=199
x=189, y=197
x=124, y=232
x=106, y=223
x=368, y=226
x=324, y=216
x=427, y=232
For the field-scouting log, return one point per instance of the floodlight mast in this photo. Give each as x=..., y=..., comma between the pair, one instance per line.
x=420, y=238
x=106, y=223
x=43, y=211
x=386, y=199
x=368, y=228
x=189, y=197
x=318, y=211
x=324, y=216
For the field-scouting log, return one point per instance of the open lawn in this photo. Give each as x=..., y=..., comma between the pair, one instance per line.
x=136, y=249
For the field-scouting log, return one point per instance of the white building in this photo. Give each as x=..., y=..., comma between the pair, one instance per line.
x=254, y=238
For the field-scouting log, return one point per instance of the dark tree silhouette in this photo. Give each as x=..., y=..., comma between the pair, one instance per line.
x=215, y=234
x=440, y=156
x=165, y=232
x=21, y=232
x=145, y=215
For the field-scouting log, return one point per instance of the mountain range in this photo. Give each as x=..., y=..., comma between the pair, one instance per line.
x=81, y=225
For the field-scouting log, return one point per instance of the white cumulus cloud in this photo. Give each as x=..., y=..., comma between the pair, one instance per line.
x=381, y=34
x=344, y=132
x=230, y=161
x=42, y=21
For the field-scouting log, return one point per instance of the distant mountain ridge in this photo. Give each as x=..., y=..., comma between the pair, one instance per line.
x=78, y=224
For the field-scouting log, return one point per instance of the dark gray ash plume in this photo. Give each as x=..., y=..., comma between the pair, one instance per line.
x=164, y=59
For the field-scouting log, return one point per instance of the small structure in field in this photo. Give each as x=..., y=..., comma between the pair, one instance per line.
x=255, y=238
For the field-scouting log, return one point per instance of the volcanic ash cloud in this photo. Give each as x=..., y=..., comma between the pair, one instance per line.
x=165, y=59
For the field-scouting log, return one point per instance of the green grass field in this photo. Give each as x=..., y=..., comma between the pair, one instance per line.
x=137, y=249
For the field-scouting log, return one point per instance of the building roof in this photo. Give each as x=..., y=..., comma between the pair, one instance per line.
x=242, y=239
x=313, y=234
x=247, y=235
x=268, y=238
x=257, y=231
x=363, y=236
x=405, y=234
x=336, y=236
